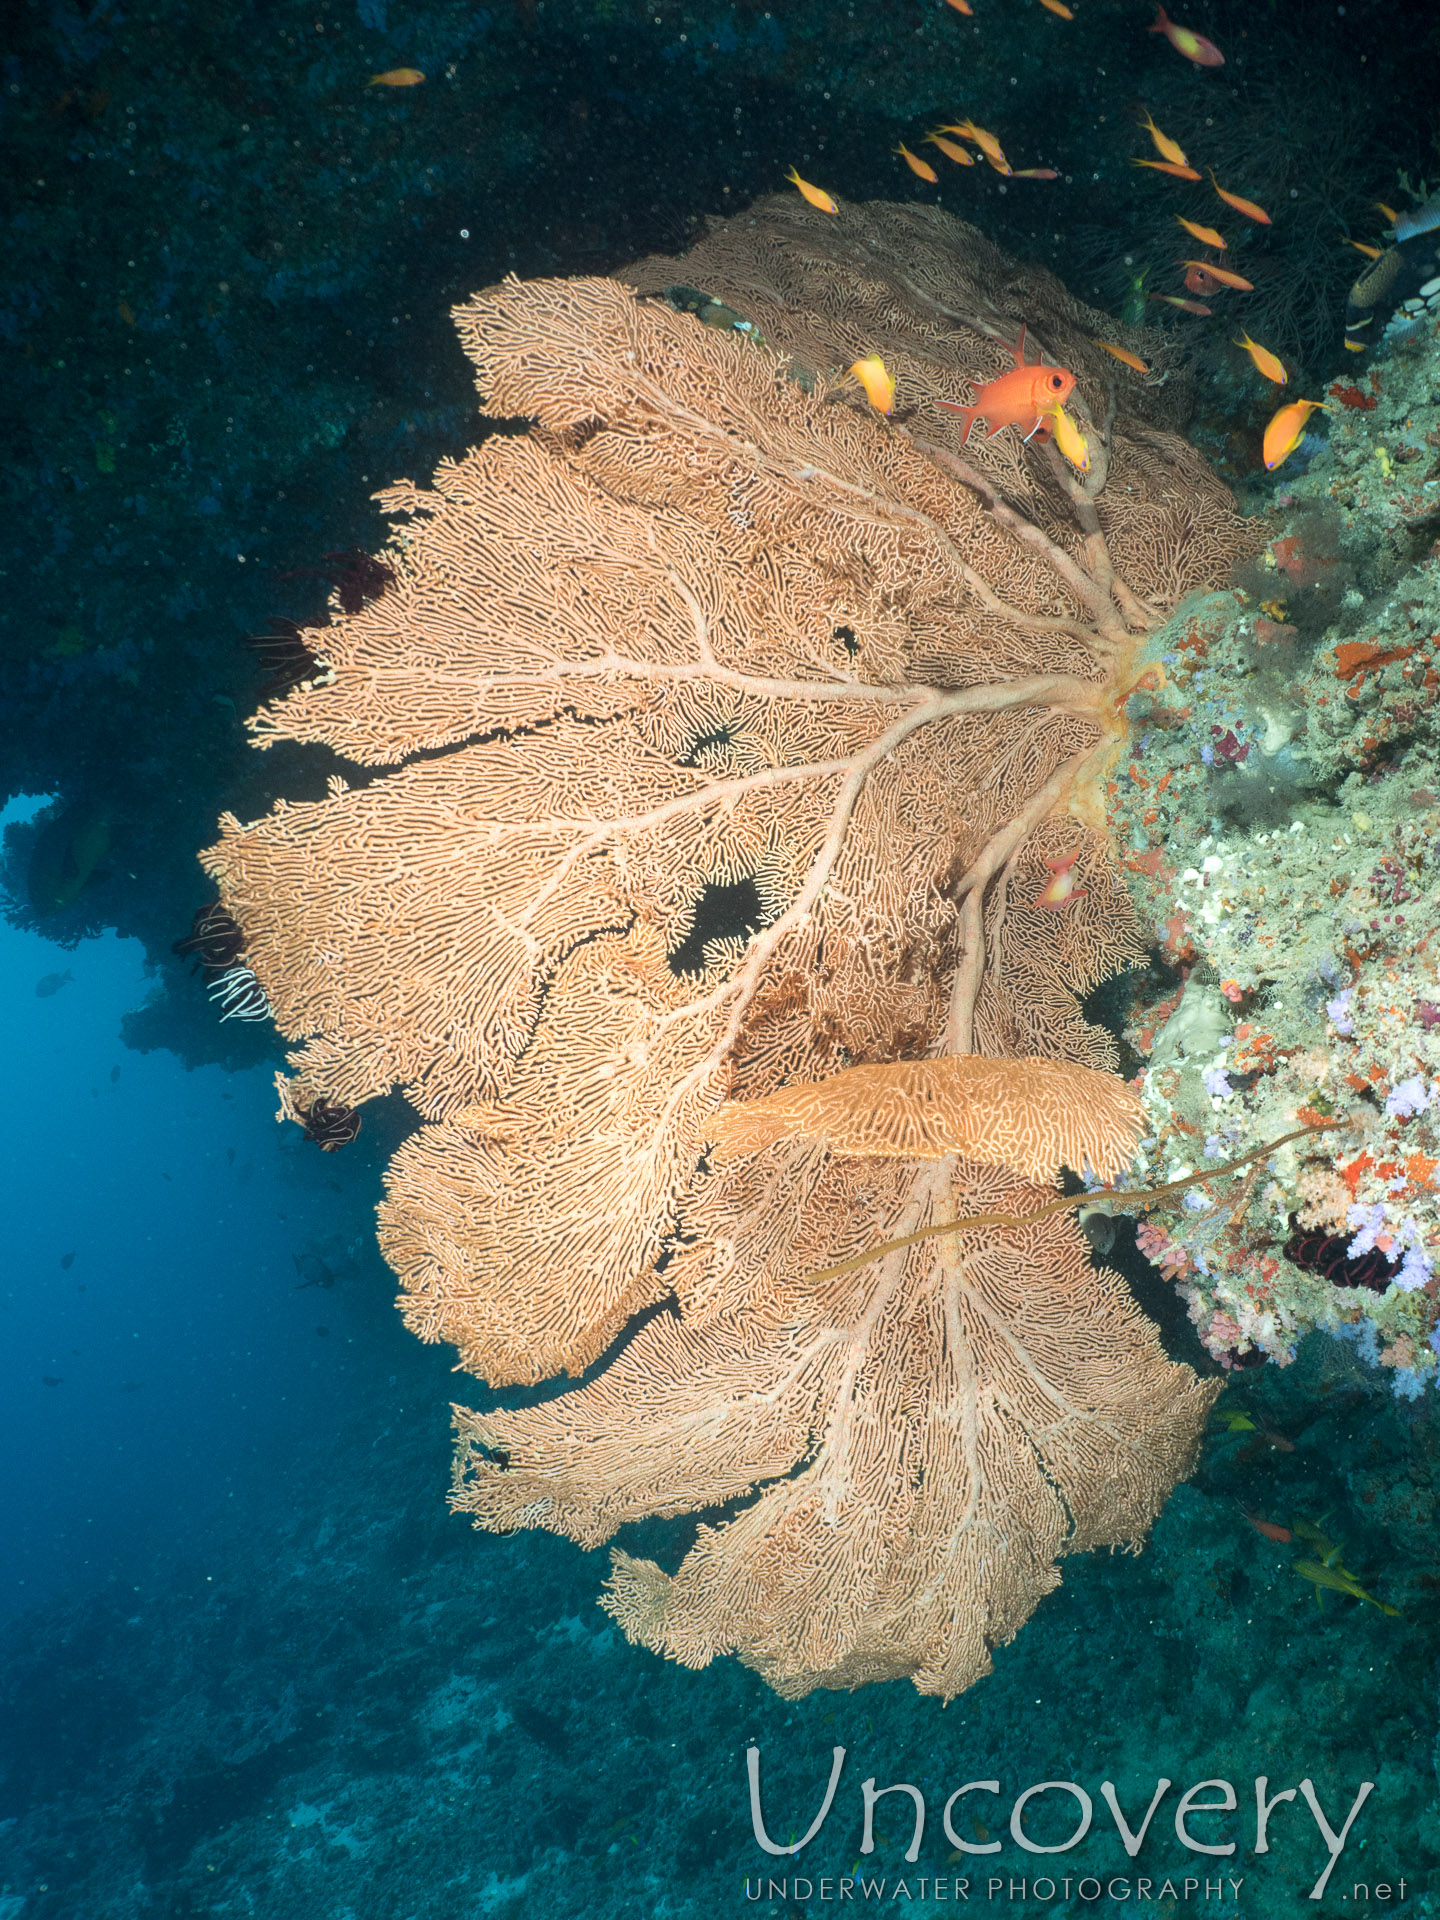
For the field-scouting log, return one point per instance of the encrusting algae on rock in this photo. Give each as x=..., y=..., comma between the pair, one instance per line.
x=1277, y=822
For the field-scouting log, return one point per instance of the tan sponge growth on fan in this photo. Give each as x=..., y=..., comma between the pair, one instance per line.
x=716, y=743
x=1033, y=1115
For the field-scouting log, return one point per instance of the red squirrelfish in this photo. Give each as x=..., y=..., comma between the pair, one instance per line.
x=1197, y=280
x=1019, y=398
x=1194, y=46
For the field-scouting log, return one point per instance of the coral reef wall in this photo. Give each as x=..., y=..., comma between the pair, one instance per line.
x=1278, y=823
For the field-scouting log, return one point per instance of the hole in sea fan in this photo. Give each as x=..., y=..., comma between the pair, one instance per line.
x=725, y=909
x=1327, y=1254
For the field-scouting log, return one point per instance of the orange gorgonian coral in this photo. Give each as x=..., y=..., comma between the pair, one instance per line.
x=717, y=733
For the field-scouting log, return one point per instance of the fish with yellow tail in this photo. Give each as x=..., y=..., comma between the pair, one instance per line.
x=1167, y=148
x=1221, y=275
x=877, y=381
x=1265, y=362
x=1207, y=236
x=1249, y=208
x=1069, y=439
x=1287, y=430
x=1172, y=167
x=1328, y=1573
x=396, y=77
x=817, y=196
x=1123, y=354
x=921, y=168
x=983, y=139
x=1022, y=397
x=951, y=149
x=1185, y=40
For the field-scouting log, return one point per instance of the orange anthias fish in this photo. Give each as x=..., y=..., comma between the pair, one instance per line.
x=1167, y=148
x=1371, y=253
x=1185, y=306
x=1058, y=8
x=1287, y=430
x=1389, y=212
x=1271, y=1529
x=817, y=196
x=877, y=380
x=1223, y=274
x=1265, y=361
x=963, y=6
x=1124, y=353
x=987, y=143
x=1248, y=207
x=917, y=165
x=1168, y=166
x=951, y=149
x=1194, y=46
x=1207, y=236
x=1059, y=891
x=1020, y=398
x=397, y=77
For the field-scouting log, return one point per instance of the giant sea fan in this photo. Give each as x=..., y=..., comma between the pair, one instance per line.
x=712, y=628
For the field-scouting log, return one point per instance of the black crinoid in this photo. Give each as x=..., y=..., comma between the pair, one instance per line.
x=1328, y=1254
x=214, y=938
x=330, y=1125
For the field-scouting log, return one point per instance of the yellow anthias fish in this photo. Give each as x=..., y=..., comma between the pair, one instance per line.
x=1207, y=236
x=1123, y=353
x=1265, y=361
x=877, y=380
x=986, y=141
x=1070, y=440
x=817, y=196
x=1168, y=166
x=1287, y=430
x=1167, y=148
x=1249, y=208
x=918, y=166
x=397, y=77
x=951, y=149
